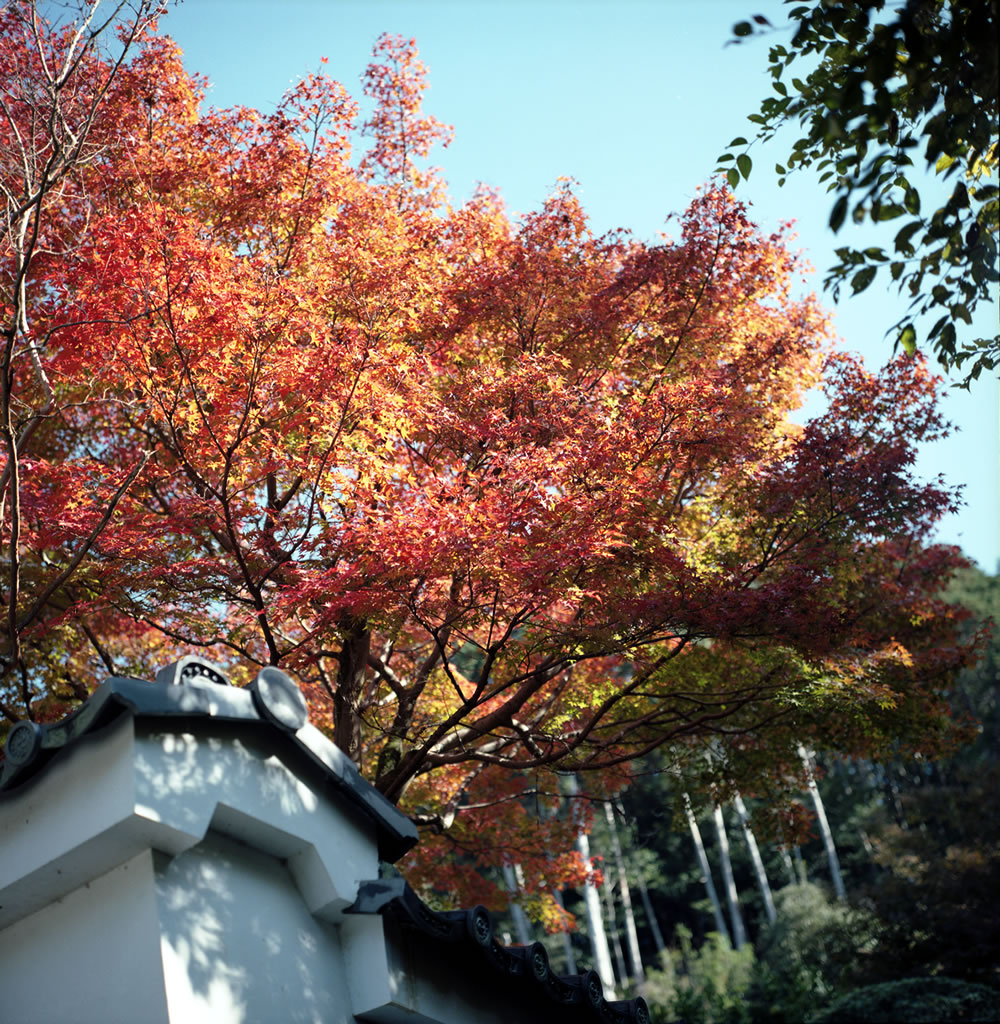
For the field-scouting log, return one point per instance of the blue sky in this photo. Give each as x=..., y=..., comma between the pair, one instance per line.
x=634, y=99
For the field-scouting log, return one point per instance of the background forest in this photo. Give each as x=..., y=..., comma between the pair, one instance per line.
x=916, y=936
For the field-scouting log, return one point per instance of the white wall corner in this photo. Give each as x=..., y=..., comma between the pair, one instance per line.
x=105, y=938
x=251, y=794
x=77, y=820
x=372, y=985
x=118, y=792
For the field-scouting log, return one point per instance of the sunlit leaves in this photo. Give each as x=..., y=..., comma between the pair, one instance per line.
x=908, y=339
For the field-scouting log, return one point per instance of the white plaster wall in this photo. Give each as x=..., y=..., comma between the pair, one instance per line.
x=92, y=957
x=186, y=781
x=114, y=794
x=71, y=825
x=149, y=877
x=239, y=946
x=374, y=987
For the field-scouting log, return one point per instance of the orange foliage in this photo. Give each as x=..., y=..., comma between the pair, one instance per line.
x=504, y=497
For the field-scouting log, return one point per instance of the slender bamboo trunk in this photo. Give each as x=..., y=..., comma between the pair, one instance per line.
x=732, y=898
x=612, y=929
x=720, y=921
x=755, y=857
x=592, y=907
x=631, y=934
x=595, y=924
x=800, y=866
x=654, y=924
x=894, y=797
x=521, y=926
x=824, y=827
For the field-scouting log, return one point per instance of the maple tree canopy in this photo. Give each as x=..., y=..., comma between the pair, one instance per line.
x=503, y=497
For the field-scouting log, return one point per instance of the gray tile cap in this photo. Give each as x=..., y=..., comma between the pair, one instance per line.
x=192, y=689
x=566, y=998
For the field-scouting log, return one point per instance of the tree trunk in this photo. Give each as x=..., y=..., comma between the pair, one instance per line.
x=352, y=663
x=595, y=924
x=758, y=863
x=592, y=906
x=720, y=921
x=654, y=924
x=800, y=866
x=824, y=827
x=611, y=926
x=521, y=927
x=892, y=785
x=735, y=917
x=631, y=935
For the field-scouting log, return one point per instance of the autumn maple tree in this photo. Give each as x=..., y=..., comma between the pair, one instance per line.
x=506, y=499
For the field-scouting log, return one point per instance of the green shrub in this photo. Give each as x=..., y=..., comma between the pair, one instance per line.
x=808, y=957
x=701, y=986
x=915, y=1001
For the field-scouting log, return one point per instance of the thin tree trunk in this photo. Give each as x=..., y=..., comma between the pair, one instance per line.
x=735, y=917
x=611, y=925
x=521, y=927
x=352, y=662
x=800, y=866
x=631, y=935
x=894, y=797
x=758, y=863
x=595, y=923
x=786, y=859
x=720, y=921
x=654, y=924
x=592, y=906
x=824, y=827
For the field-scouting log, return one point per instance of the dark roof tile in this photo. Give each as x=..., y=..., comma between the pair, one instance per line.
x=581, y=994
x=196, y=690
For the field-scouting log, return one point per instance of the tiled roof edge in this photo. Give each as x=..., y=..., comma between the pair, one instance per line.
x=194, y=689
x=473, y=929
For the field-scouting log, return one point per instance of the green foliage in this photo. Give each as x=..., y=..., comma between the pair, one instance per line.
x=976, y=693
x=920, y=841
x=915, y=1000
x=701, y=986
x=888, y=93
x=808, y=956
x=936, y=893
x=919, y=844
x=664, y=847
